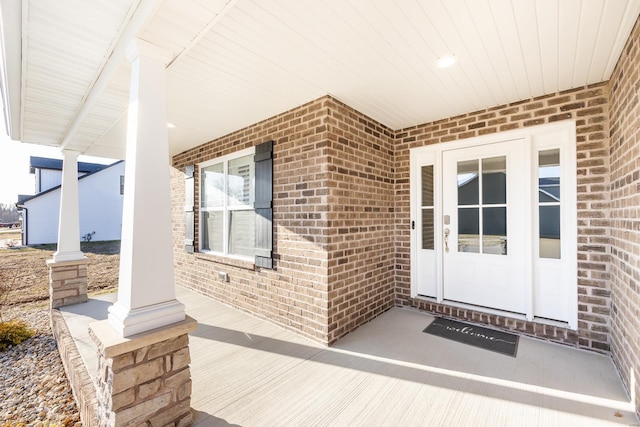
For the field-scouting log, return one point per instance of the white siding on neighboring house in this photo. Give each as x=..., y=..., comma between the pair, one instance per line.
x=42, y=218
x=49, y=178
x=100, y=204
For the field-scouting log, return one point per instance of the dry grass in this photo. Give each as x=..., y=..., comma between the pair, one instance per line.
x=11, y=235
x=28, y=264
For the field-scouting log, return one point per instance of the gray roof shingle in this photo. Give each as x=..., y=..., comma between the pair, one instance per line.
x=56, y=164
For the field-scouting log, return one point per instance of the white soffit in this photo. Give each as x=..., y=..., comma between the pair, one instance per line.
x=242, y=61
x=65, y=46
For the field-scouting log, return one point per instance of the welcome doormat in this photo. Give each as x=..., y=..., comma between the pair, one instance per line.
x=489, y=339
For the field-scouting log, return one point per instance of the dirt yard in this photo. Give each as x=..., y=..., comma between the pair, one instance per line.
x=27, y=267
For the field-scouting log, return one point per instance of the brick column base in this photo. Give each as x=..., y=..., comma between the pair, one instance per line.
x=67, y=282
x=144, y=380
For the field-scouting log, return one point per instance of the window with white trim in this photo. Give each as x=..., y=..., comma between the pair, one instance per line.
x=227, y=214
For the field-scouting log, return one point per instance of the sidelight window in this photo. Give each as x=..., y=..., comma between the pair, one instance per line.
x=427, y=208
x=549, y=203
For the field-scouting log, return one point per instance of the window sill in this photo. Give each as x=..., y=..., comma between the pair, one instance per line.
x=234, y=262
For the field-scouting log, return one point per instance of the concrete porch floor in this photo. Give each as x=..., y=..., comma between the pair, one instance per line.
x=249, y=372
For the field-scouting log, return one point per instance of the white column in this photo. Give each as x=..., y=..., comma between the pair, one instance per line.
x=69, y=221
x=146, y=290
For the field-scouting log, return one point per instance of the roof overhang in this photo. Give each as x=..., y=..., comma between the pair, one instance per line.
x=236, y=62
x=11, y=66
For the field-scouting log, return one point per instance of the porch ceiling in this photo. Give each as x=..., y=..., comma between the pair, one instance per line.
x=236, y=62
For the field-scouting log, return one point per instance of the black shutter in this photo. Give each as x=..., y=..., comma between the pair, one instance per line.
x=189, y=201
x=263, y=160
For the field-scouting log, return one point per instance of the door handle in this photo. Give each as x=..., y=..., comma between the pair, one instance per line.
x=446, y=239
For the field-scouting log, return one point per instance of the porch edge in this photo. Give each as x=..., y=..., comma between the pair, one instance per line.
x=82, y=386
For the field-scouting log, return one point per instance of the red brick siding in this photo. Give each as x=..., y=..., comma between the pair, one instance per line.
x=589, y=107
x=625, y=212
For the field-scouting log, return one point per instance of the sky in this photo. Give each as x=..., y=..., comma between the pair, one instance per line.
x=14, y=165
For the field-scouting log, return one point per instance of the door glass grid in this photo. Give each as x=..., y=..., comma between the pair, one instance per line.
x=482, y=206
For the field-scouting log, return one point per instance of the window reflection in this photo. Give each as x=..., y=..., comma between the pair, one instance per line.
x=549, y=203
x=468, y=183
x=468, y=230
x=549, y=176
x=482, y=216
x=212, y=178
x=240, y=181
x=549, y=232
x=494, y=180
x=494, y=230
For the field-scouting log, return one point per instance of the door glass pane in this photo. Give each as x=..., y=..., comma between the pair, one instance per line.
x=212, y=233
x=549, y=203
x=549, y=176
x=550, y=232
x=241, y=178
x=427, y=229
x=428, y=237
x=242, y=236
x=468, y=183
x=212, y=179
x=427, y=186
x=468, y=230
x=494, y=231
x=494, y=180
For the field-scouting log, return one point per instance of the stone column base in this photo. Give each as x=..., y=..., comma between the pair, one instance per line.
x=144, y=379
x=67, y=282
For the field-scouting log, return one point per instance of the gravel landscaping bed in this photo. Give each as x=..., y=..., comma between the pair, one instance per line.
x=34, y=390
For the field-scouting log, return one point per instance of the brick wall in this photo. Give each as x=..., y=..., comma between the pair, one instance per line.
x=589, y=107
x=294, y=294
x=361, y=212
x=342, y=213
x=333, y=212
x=625, y=212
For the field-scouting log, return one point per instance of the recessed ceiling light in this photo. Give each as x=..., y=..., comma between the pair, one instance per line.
x=170, y=125
x=446, y=61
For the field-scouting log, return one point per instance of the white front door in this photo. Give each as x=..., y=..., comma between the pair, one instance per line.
x=484, y=225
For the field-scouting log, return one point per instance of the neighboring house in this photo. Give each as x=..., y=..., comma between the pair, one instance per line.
x=100, y=194
x=48, y=172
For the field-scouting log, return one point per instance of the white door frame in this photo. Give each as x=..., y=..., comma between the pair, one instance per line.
x=561, y=135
